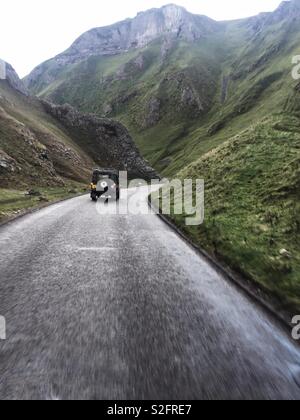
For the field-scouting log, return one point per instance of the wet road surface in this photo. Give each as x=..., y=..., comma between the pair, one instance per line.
x=120, y=307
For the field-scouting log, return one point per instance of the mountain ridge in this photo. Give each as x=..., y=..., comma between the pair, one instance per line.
x=135, y=33
x=141, y=30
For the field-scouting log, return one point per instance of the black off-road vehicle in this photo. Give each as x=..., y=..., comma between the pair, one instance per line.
x=105, y=184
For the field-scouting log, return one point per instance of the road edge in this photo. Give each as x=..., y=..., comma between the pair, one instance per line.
x=251, y=289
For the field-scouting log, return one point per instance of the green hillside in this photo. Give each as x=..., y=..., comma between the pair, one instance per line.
x=252, y=205
x=157, y=100
x=37, y=149
x=39, y=160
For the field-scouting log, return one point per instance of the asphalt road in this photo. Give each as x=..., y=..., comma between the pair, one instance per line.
x=119, y=307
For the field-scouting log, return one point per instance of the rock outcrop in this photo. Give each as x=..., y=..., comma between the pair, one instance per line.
x=106, y=141
x=43, y=144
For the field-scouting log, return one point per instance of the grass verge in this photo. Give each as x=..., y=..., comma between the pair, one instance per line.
x=15, y=202
x=252, y=207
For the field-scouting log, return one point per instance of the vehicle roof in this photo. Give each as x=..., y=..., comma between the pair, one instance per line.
x=106, y=171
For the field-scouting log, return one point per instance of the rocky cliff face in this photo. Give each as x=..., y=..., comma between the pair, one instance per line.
x=106, y=141
x=140, y=31
x=171, y=20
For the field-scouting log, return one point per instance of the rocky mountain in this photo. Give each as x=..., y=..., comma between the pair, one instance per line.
x=43, y=144
x=106, y=141
x=128, y=35
x=182, y=84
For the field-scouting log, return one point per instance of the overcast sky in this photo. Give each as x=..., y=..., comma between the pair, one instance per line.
x=32, y=31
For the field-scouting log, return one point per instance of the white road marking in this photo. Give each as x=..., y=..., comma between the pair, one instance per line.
x=96, y=249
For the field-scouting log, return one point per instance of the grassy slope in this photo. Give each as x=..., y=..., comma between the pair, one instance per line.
x=251, y=168
x=26, y=131
x=14, y=202
x=252, y=205
x=252, y=177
